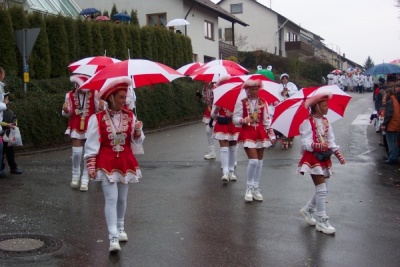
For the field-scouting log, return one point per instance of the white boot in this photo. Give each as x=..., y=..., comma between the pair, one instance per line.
x=307, y=214
x=324, y=226
x=211, y=153
x=75, y=181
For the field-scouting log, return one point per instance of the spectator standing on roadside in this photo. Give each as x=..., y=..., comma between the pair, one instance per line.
x=391, y=125
x=2, y=108
x=9, y=121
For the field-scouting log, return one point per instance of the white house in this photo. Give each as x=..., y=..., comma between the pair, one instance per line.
x=267, y=31
x=202, y=15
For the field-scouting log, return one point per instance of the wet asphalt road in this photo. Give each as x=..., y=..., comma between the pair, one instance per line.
x=181, y=214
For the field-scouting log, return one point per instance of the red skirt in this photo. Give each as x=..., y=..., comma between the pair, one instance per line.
x=207, y=114
x=309, y=163
x=226, y=131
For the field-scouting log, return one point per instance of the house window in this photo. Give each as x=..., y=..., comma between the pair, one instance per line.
x=236, y=8
x=294, y=37
x=208, y=30
x=288, y=37
x=228, y=34
x=219, y=34
x=159, y=19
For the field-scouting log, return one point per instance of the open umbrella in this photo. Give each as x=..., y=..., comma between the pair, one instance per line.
x=214, y=73
x=227, y=63
x=89, y=11
x=91, y=65
x=243, y=78
x=102, y=18
x=177, y=22
x=396, y=62
x=188, y=69
x=290, y=113
x=228, y=94
x=384, y=68
x=142, y=72
x=336, y=71
x=122, y=17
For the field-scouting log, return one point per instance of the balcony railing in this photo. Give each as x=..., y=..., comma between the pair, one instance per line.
x=299, y=48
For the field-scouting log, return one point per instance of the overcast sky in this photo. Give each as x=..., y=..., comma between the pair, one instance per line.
x=358, y=28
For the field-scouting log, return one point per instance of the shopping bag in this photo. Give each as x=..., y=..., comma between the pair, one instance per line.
x=15, y=137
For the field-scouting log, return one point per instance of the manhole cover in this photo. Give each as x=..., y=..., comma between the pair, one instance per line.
x=21, y=245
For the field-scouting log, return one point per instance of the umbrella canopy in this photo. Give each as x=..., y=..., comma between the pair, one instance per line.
x=384, y=68
x=228, y=94
x=214, y=73
x=267, y=73
x=336, y=71
x=89, y=11
x=122, y=17
x=177, y=22
x=350, y=70
x=142, y=72
x=290, y=113
x=91, y=65
x=102, y=18
x=188, y=69
x=396, y=62
x=243, y=78
x=226, y=63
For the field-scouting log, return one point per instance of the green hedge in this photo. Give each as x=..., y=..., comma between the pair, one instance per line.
x=42, y=125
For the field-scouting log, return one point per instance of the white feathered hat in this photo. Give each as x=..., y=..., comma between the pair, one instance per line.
x=79, y=79
x=116, y=84
x=252, y=83
x=318, y=97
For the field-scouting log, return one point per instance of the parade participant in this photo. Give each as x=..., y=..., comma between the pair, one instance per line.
x=78, y=106
x=113, y=136
x=317, y=145
x=286, y=90
x=256, y=134
x=227, y=135
x=208, y=97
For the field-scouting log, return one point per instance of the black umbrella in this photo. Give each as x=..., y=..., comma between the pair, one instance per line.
x=89, y=11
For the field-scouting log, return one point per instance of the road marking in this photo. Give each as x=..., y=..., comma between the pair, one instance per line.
x=362, y=119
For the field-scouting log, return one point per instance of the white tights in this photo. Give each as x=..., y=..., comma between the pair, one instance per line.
x=209, y=132
x=318, y=199
x=115, y=196
x=77, y=153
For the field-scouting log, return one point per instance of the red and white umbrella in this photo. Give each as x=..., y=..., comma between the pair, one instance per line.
x=396, y=61
x=142, y=72
x=243, y=78
x=228, y=94
x=188, y=69
x=102, y=18
x=336, y=71
x=214, y=73
x=91, y=65
x=227, y=63
x=291, y=113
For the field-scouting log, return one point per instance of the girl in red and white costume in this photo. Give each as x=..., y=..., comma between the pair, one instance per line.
x=227, y=134
x=256, y=134
x=78, y=106
x=317, y=136
x=114, y=135
x=208, y=97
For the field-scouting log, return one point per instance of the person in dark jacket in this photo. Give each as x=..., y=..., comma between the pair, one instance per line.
x=9, y=121
x=391, y=124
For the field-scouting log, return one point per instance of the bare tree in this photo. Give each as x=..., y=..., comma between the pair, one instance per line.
x=241, y=40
